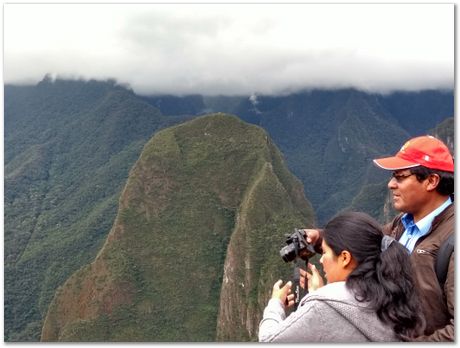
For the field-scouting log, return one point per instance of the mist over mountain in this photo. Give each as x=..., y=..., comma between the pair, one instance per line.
x=231, y=48
x=69, y=147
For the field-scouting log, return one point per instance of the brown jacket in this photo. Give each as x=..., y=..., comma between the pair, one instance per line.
x=437, y=303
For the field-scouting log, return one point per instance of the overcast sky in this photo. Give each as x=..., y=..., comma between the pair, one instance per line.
x=233, y=48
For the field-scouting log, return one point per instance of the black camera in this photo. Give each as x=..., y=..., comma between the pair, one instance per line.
x=297, y=247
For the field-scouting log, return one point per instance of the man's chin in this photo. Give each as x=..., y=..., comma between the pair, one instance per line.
x=398, y=207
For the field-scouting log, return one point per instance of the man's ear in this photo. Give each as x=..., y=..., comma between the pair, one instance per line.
x=345, y=258
x=432, y=182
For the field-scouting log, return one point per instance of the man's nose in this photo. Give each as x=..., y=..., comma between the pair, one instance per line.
x=392, y=184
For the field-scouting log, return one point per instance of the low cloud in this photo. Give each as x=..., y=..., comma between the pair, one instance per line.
x=234, y=49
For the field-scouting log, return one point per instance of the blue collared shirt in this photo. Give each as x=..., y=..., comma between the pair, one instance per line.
x=413, y=231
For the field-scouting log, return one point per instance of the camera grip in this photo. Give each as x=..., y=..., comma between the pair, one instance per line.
x=298, y=291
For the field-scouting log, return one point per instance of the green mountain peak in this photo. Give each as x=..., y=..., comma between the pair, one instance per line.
x=194, y=247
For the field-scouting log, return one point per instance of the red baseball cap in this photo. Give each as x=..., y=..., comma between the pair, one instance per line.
x=424, y=151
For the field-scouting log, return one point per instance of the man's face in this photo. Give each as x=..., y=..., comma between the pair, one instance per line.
x=409, y=195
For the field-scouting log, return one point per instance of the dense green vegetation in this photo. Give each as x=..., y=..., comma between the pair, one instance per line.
x=375, y=200
x=69, y=146
x=418, y=112
x=446, y=131
x=174, y=105
x=194, y=187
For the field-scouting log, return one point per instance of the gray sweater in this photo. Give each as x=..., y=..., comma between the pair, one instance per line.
x=329, y=314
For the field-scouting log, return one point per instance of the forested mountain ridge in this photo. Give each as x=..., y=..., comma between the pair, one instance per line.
x=199, y=226
x=446, y=132
x=69, y=146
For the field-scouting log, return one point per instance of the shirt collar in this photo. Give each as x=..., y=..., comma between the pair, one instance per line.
x=424, y=224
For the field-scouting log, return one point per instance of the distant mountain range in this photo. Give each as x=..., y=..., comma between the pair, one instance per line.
x=69, y=147
x=329, y=137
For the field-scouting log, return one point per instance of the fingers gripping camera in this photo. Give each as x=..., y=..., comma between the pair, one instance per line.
x=297, y=247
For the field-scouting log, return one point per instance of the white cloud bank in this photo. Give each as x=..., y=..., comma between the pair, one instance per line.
x=233, y=48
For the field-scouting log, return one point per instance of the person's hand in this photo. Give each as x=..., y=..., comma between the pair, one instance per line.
x=283, y=293
x=312, y=235
x=315, y=281
x=303, y=276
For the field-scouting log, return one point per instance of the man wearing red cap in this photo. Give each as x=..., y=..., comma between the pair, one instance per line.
x=422, y=185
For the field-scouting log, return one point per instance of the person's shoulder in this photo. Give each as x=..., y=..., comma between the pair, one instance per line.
x=394, y=224
x=331, y=291
x=451, y=209
x=447, y=216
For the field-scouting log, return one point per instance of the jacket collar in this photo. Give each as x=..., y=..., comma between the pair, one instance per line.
x=398, y=227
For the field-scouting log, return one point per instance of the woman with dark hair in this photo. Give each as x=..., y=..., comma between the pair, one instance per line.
x=369, y=296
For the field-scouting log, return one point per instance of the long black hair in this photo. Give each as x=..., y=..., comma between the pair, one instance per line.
x=381, y=278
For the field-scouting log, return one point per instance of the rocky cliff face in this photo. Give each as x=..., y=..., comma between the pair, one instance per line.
x=193, y=252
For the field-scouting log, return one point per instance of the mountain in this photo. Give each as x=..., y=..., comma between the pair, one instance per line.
x=194, y=249
x=446, y=132
x=375, y=200
x=69, y=146
x=328, y=139
x=418, y=112
x=177, y=105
